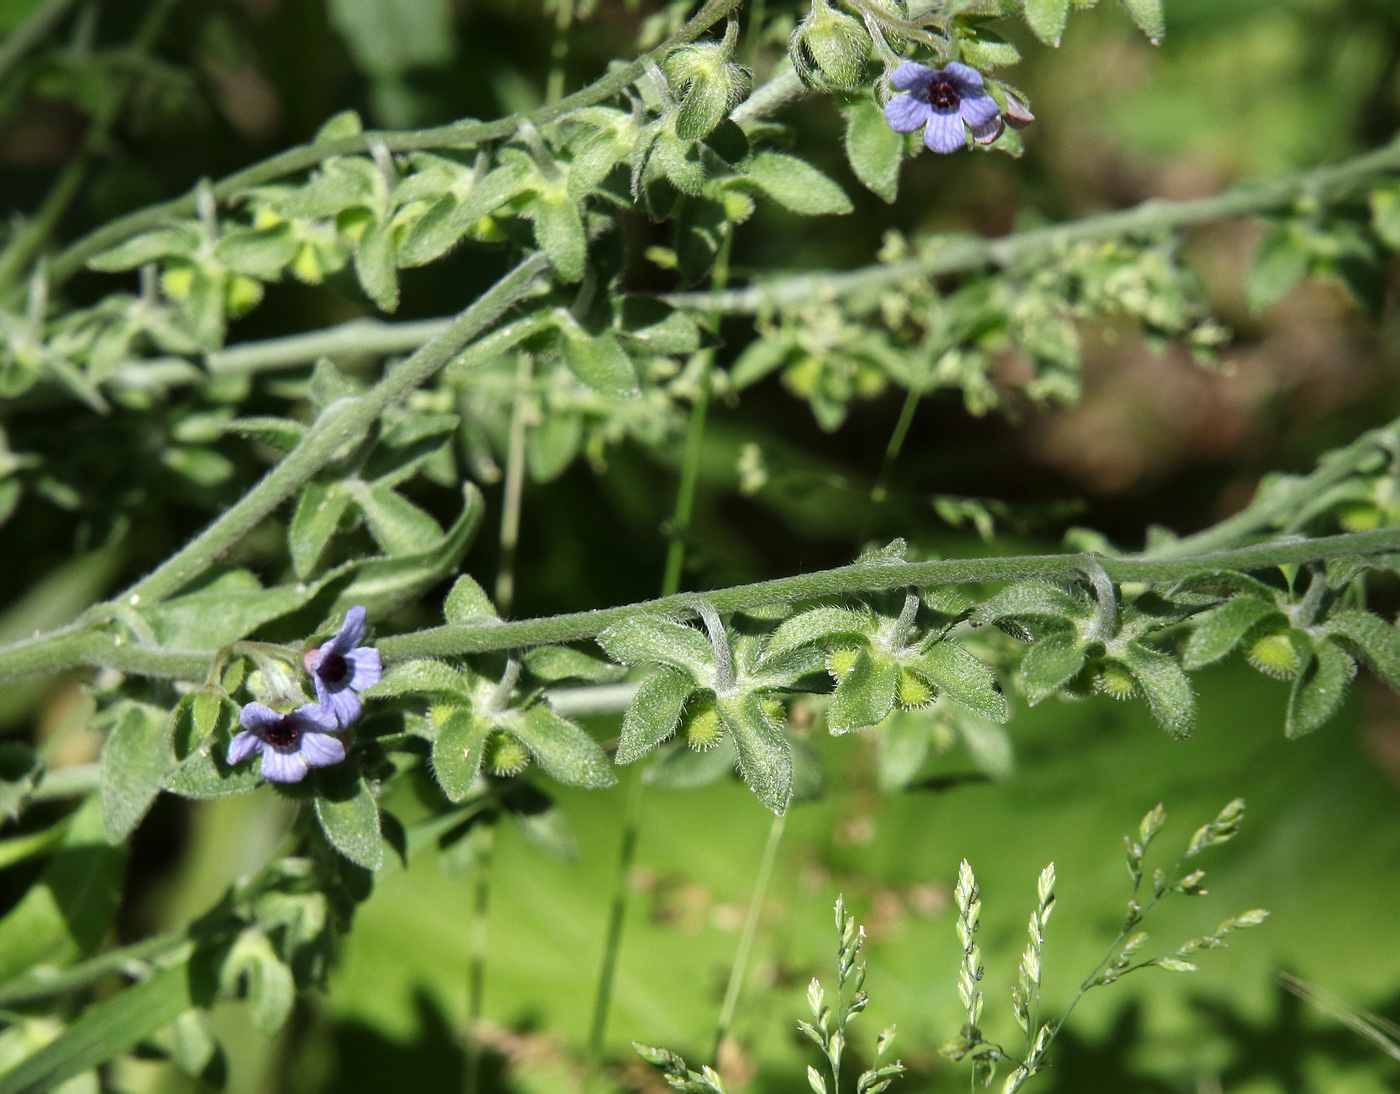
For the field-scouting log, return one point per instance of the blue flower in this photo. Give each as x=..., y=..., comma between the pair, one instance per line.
x=941, y=100
x=339, y=669
x=291, y=743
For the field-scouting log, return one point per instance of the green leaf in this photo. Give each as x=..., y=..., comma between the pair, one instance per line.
x=397, y=525
x=467, y=602
x=175, y=242
x=646, y=639
x=436, y=232
x=1218, y=631
x=865, y=695
x=759, y=358
x=988, y=51
x=555, y=663
x=383, y=584
x=1147, y=14
x=349, y=815
x=903, y=747
x=104, y=1031
x=1318, y=690
x=657, y=326
x=258, y=252
x=563, y=750
x=136, y=758
x=679, y=161
x=69, y=908
x=1164, y=685
x=964, y=679
x=204, y=774
x=1278, y=264
x=224, y=609
x=388, y=37
x=1373, y=638
x=266, y=980
x=559, y=232
x=20, y=769
x=824, y=624
x=796, y=185
x=874, y=150
x=431, y=678
x=599, y=361
x=765, y=759
x=1385, y=214
x=314, y=523
x=1051, y=662
x=377, y=266
x=553, y=444
x=701, y=228
x=1034, y=601
x=653, y=714
x=1047, y=19
x=458, y=750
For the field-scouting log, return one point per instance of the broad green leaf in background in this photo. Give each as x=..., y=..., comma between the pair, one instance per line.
x=796, y=185
x=136, y=759
x=349, y=815
x=388, y=37
x=69, y=908
x=874, y=150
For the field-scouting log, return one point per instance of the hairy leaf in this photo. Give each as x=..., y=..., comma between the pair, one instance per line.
x=563, y=750
x=865, y=695
x=963, y=678
x=1216, y=632
x=765, y=759
x=458, y=750
x=653, y=714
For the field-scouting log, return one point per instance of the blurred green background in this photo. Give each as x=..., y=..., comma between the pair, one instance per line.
x=1240, y=89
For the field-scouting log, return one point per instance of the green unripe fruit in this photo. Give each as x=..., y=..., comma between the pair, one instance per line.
x=840, y=662
x=1115, y=680
x=913, y=691
x=505, y=755
x=702, y=725
x=1274, y=655
x=829, y=49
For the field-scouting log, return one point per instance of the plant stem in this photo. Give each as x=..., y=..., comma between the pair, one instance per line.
x=879, y=491
x=514, y=484
x=461, y=134
x=74, y=645
x=559, y=50
x=741, y=955
x=961, y=255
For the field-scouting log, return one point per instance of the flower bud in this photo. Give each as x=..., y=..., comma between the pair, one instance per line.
x=829, y=49
x=702, y=726
x=505, y=755
x=708, y=83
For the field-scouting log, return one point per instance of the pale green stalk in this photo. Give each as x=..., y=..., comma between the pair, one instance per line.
x=739, y=969
x=75, y=646
x=962, y=254
x=879, y=491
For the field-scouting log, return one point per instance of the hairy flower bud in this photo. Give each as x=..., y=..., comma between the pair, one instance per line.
x=829, y=49
x=708, y=83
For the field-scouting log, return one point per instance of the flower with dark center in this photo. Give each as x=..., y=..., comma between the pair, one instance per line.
x=291, y=744
x=339, y=668
x=941, y=101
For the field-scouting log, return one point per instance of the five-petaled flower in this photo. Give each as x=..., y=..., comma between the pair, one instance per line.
x=941, y=100
x=339, y=669
x=291, y=743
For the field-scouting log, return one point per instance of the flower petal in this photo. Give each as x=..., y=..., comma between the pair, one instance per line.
x=366, y=667
x=979, y=110
x=321, y=749
x=343, y=706
x=283, y=766
x=967, y=81
x=986, y=134
x=257, y=716
x=904, y=113
x=912, y=76
x=317, y=715
x=944, y=132
x=353, y=629
x=242, y=746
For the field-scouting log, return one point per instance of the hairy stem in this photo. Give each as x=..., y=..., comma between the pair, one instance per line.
x=463, y=134
x=962, y=255
x=75, y=646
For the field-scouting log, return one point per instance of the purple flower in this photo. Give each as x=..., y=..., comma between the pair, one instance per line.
x=339, y=669
x=941, y=100
x=291, y=744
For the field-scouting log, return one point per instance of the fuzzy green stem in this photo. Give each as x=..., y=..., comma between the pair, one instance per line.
x=463, y=134
x=962, y=255
x=739, y=969
x=73, y=647
x=898, y=434
x=514, y=485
